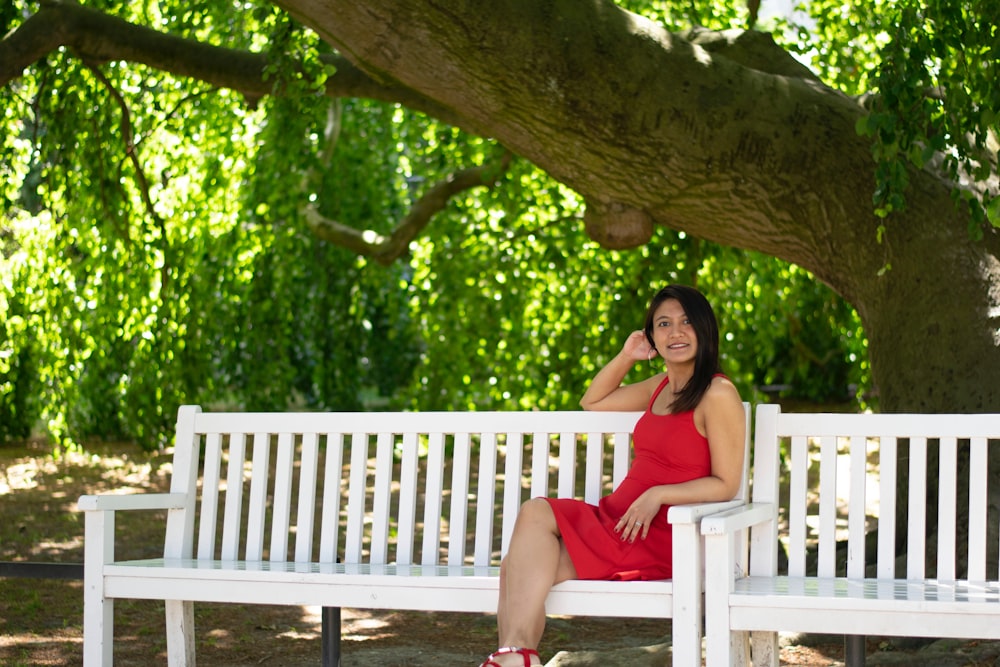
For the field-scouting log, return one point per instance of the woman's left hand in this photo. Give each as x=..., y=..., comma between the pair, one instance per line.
x=635, y=522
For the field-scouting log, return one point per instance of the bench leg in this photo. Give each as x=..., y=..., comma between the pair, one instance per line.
x=180, y=633
x=687, y=612
x=331, y=636
x=765, y=649
x=98, y=611
x=854, y=650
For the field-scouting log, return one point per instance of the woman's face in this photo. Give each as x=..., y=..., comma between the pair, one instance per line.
x=673, y=334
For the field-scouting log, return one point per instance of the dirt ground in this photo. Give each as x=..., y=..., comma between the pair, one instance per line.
x=41, y=619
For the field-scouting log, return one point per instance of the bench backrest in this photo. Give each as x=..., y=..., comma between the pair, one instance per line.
x=422, y=488
x=851, y=476
x=380, y=487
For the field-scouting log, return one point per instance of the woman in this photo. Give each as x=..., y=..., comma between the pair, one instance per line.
x=688, y=448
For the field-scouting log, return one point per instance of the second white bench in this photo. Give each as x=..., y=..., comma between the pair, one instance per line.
x=851, y=568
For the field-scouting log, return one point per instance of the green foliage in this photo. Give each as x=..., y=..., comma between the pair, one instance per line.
x=155, y=253
x=931, y=67
x=938, y=100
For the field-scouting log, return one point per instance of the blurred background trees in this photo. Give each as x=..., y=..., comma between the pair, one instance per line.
x=155, y=250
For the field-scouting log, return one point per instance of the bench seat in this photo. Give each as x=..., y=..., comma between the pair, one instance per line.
x=462, y=588
x=868, y=606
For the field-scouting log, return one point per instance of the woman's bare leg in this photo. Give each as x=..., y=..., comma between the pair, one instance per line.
x=535, y=561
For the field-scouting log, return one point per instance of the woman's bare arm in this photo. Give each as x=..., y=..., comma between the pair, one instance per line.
x=606, y=391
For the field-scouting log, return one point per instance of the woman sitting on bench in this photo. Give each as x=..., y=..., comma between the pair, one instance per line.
x=688, y=448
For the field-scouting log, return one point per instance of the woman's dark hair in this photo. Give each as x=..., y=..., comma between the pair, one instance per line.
x=706, y=329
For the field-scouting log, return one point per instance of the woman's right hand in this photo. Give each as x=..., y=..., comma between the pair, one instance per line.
x=637, y=347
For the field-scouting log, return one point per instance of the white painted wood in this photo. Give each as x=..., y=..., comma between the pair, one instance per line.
x=361, y=553
x=380, y=502
x=407, y=530
x=917, y=511
x=281, y=498
x=433, y=499
x=306, y=510
x=512, y=497
x=258, y=495
x=180, y=632
x=98, y=610
x=797, y=511
x=827, y=507
x=856, y=556
x=485, y=499
x=953, y=604
x=978, y=474
x=232, y=524
x=540, y=444
x=594, y=462
x=459, y=515
x=886, y=564
x=947, y=508
x=210, y=496
x=333, y=483
x=356, y=495
x=567, y=465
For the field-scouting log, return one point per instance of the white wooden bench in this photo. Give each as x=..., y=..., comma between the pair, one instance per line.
x=372, y=510
x=845, y=485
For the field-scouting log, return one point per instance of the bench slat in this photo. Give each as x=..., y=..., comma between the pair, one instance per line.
x=256, y=515
x=384, y=444
x=827, y=506
x=917, y=512
x=356, y=500
x=461, y=462
x=333, y=481
x=978, y=526
x=797, y=512
x=856, y=520
x=886, y=559
x=305, y=520
x=407, y=530
x=485, y=499
x=947, y=508
x=593, y=468
x=233, y=515
x=540, y=445
x=512, y=495
x=567, y=465
x=208, y=519
x=433, y=498
x=281, y=504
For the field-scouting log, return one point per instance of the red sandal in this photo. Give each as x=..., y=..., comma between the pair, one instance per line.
x=525, y=654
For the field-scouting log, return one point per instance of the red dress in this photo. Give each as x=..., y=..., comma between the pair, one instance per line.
x=668, y=449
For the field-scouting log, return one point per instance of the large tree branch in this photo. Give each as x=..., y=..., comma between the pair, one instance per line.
x=93, y=35
x=386, y=249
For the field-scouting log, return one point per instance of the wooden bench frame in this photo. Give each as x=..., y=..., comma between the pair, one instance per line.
x=319, y=534
x=883, y=596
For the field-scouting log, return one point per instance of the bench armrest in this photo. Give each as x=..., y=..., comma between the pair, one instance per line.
x=678, y=514
x=740, y=518
x=135, y=501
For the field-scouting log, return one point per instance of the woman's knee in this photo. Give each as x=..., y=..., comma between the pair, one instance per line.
x=536, y=509
x=535, y=516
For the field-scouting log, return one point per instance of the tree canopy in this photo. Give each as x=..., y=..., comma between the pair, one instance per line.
x=343, y=204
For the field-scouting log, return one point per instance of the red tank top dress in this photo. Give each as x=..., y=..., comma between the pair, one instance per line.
x=668, y=449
